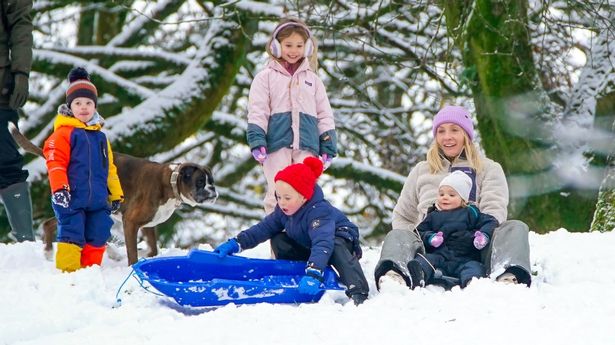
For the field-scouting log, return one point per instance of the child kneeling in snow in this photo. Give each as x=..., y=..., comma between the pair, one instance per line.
x=305, y=226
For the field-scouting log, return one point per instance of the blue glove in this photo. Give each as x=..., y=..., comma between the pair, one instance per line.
x=310, y=283
x=115, y=206
x=229, y=247
x=61, y=197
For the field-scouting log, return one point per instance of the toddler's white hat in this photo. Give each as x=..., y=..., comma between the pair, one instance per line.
x=460, y=182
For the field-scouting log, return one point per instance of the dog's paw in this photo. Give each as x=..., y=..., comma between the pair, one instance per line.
x=48, y=253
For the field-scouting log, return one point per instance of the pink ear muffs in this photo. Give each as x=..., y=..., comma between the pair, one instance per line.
x=276, y=48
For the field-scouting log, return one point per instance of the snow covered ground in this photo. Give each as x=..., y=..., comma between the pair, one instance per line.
x=570, y=302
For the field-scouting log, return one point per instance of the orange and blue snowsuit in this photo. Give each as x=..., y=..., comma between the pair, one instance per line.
x=79, y=158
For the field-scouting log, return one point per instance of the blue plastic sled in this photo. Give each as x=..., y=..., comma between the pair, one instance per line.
x=202, y=279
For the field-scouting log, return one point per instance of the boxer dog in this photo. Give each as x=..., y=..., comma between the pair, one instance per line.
x=152, y=192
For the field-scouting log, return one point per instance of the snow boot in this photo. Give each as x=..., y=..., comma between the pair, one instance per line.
x=91, y=255
x=417, y=276
x=383, y=271
x=68, y=257
x=358, y=298
x=16, y=200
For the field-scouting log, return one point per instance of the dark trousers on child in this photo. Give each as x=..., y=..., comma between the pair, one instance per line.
x=462, y=268
x=342, y=259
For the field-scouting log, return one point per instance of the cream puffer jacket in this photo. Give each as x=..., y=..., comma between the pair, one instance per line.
x=420, y=191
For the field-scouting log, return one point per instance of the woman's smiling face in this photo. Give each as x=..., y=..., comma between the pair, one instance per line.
x=451, y=139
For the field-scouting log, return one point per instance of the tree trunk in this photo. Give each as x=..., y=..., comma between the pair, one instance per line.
x=512, y=110
x=604, y=217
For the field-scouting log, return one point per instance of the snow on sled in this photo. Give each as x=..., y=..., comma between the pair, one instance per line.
x=201, y=279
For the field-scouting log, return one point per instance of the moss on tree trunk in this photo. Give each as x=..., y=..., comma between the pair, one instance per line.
x=511, y=107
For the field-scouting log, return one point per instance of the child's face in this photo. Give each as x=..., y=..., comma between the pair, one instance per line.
x=83, y=109
x=448, y=198
x=450, y=139
x=293, y=48
x=288, y=198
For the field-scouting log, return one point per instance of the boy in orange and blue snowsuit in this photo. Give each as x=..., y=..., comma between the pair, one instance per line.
x=82, y=176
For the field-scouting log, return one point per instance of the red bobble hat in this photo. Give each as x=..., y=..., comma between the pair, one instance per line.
x=302, y=176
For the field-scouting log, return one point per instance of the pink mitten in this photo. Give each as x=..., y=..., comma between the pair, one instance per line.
x=326, y=161
x=480, y=240
x=260, y=154
x=436, y=239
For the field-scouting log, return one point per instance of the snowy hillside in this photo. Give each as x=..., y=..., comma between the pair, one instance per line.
x=570, y=302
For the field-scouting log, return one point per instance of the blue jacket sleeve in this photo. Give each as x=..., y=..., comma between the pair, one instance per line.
x=261, y=232
x=425, y=229
x=256, y=136
x=487, y=224
x=321, y=230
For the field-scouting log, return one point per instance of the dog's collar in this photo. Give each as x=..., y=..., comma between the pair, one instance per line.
x=176, y=167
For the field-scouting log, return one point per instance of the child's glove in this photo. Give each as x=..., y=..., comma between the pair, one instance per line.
x=260, y=154
x=480, y=240
x=115, y=206
x=61, y=197
x=326, y=161
x=310, y=283
x=229, y=247
x=436, y=239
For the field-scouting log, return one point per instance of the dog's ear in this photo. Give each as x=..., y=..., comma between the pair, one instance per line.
x=187, y=172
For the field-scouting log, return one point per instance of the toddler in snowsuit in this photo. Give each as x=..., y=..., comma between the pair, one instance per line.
x=83, y=178
x=305, y=226
x=453, y=233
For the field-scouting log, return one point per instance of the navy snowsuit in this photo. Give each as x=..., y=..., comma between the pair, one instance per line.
x=456, y=256
x=319, y=233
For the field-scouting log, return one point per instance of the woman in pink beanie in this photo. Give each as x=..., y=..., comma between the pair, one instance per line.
x=453, y=149
x=306, y=227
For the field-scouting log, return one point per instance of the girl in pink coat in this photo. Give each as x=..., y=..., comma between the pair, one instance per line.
x=289, y=115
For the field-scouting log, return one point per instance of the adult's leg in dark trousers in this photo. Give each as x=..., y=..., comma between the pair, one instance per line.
x=14, y=191
x=349, y=269
x=285, y=248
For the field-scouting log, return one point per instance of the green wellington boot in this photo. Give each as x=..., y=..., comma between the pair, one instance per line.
x=16, y=200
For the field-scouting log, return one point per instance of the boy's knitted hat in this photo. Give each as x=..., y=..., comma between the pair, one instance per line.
x=80, y=86
x=457, y=115
x=459, y=181
x=302, y=176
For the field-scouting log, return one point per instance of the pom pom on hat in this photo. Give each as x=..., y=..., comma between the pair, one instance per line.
x=302, y=176
x=457, y=115
x=80, y=86
x=459, y=181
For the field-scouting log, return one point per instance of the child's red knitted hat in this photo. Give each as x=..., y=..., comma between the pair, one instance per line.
x=302, y=176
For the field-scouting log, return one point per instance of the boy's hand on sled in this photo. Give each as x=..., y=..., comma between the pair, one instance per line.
x=480, y=240
x=229, y=247
x=61, y=197
x=260, y=154
x=436, y=239
x=326, y=161
x=310, y=283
